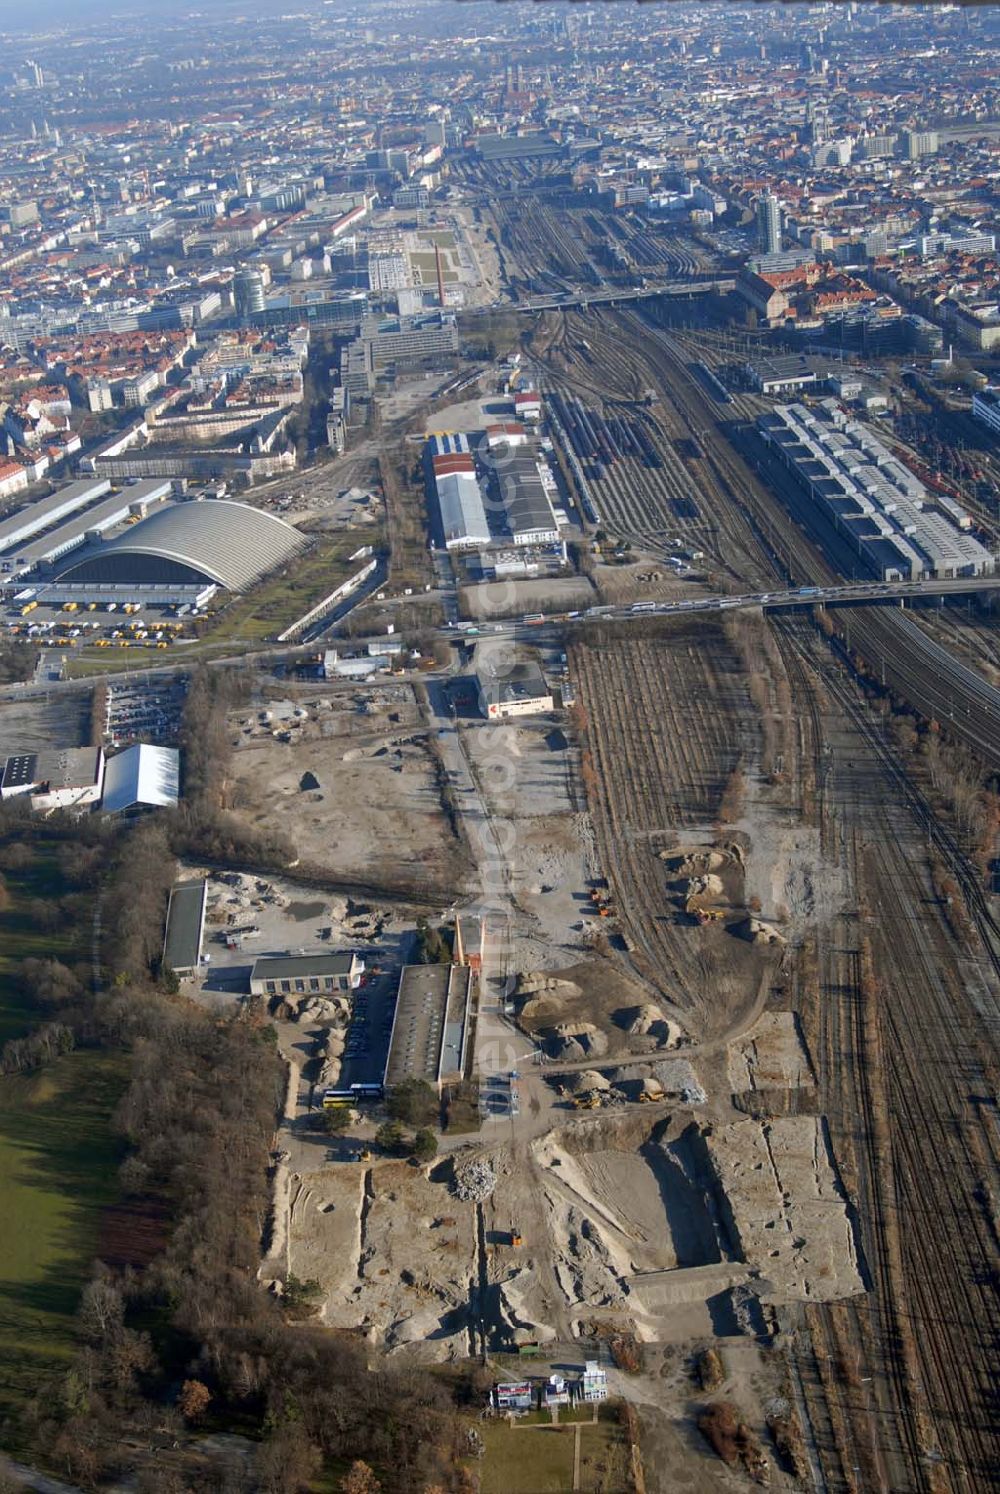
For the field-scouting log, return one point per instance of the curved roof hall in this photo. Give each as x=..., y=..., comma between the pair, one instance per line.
x=229, y=543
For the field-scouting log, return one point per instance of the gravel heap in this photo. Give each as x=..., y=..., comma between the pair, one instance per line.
x=475, y=1181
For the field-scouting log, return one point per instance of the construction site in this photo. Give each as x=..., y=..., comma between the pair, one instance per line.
x=868, y=914
x=736, y=1032
x=723, y=1115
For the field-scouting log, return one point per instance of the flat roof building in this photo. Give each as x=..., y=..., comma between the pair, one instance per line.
x=527, y=506
x=779, y=374
x=593, y=1383
x=18, y=775
x=305, y=975
x=59, y=778
x=133, y=502
x=185, y=931
x=38, y=516
x=514, y=1395
x=900, y=530
x=430, y=1028
x=986, y=407
x=521, y=690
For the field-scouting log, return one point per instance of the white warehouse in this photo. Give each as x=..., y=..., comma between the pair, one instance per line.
x=463, y=516
x=464, y=525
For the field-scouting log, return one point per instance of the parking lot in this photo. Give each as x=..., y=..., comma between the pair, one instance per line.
x=94, y=626
x=370, y=1027
x=144, y=712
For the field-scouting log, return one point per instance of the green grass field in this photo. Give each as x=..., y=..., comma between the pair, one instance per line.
x=533, y=1457
x=527, y=1459
x=58, y=1163
x=271, y=607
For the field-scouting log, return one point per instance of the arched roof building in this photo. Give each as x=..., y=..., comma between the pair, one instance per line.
x=217, y=540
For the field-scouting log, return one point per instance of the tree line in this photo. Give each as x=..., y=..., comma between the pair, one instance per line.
x=188, y=1341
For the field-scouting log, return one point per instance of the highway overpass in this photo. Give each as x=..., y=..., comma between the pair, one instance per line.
x=855, y=594
x=611, y=297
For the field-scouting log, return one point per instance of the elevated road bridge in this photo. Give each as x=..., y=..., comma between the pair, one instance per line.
x=853, y=594
x=692, y=286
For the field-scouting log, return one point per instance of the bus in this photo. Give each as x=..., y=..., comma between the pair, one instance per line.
x=356, y=1094
x=362, y=1092
x=337, y=1099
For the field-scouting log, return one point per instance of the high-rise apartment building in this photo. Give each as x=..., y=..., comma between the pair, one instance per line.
x=769, y=224
x=248, y=292
x=917, y=143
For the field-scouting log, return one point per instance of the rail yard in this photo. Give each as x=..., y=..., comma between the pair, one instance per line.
x=500, y=959
x=893, y=962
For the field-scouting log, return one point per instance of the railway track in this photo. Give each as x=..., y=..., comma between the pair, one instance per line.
x=849, y=1081
x=902, y=1059
x=929, y=1187
x=948, y=1257
x=648, y=506
x=915, y=666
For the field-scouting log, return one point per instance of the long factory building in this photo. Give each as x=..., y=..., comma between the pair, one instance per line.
x=901, y=531
x=48, y=511
x=48, y=547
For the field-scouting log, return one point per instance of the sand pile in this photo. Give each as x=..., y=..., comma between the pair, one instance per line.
x=648, y=1021
x=573, y=1040
x=695, y=863
x=756, y=931
x=534, y=983
x=586, y=1082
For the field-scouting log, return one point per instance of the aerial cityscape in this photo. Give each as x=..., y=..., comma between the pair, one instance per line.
x=500, y=748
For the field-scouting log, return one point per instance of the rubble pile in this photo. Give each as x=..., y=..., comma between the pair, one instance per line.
x=475, y=1181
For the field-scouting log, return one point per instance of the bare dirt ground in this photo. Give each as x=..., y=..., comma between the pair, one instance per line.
x=355, y=786
x=642, y=581
x=492, y=281
x=772, y=1055
x=394, y=1252
x=788, y=1207
x=527, y=771
x=513, y=598
x=471, y=414
x=654, y=1222
x=599, y=996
